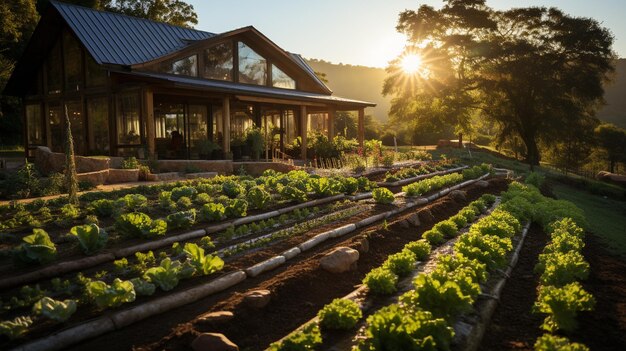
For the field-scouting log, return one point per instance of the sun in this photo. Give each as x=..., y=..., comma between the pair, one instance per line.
x=411, y=63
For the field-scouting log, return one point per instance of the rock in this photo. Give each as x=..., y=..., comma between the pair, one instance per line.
x=213, y=342
x=48, y=162
x=363, y=246
x=95, y=178
x=122, y=175
x=458, y=195
x=340, y=260
x=482, y=183
x=414, y=220
x=257, y=298
x=404, y=224
x=218, y=317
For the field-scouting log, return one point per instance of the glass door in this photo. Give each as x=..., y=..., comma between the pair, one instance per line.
x=200, y=147
x=170, y=132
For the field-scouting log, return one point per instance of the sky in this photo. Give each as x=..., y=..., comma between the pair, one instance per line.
x=362, y=32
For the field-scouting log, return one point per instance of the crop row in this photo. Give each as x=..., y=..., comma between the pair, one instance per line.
x=410, y=172
x=343, y=314
x=561, y=266
x=438, y=182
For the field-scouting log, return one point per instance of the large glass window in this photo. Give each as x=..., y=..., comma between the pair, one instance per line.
x=128, y=124
x=252, y=66
x=280, y=79
x=198, y=131
x=96, y=76
x=55, y=127
x=169, y=122
x=34, y=124
x=98, y=119
x=186, y=67
x=72, y=60
x=218, y=62
x=54, y=70
x=77, y=125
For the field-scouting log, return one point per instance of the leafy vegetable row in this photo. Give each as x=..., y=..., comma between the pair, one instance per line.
x=410, y=172
x=561, y=265
x=438, y=182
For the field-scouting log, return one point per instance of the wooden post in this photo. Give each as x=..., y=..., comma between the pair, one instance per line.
x=267, y=141
x=331, y=122
x=303, y=131
x=226, y=125
x=150, y=126
x=361, y=126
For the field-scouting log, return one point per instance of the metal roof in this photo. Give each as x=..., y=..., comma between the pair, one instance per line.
x=124, y=40
x=254, y=90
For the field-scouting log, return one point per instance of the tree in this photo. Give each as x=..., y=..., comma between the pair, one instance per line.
x=613, y=140
x=530, y=70
x=174, y=12
x=71, y=179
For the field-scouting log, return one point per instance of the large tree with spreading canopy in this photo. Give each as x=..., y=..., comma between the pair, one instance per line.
x=535, y=72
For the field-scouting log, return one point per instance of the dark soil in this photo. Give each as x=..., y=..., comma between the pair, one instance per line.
x=514, y=327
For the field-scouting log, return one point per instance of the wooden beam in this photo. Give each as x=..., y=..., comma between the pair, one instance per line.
x=226, y=125
x=303, y=131
x=361, y=126
x=150, y=125
x=277, y=101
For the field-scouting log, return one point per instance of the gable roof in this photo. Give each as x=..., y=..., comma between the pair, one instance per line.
x=113, y=38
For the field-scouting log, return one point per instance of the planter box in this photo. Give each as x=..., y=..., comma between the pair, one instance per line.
x=95, y=178
x=122, y=175
x=163, y=176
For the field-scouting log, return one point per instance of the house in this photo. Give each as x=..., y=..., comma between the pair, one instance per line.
x=135, y=87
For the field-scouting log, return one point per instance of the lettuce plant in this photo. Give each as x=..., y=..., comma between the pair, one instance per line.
x=340, y=314
x=292, y=193
x=140, y=225
x=59, y=311
x=108, y=296
x=142, y=287
x=562, y=268
x=382, y=196
x=258, y=197
x=211, y=212
x=132, y=202
x=309, y=338
x=421, y=249
x=381, y=281
x=90, y=237
x=549, y=342
x=182, y=219
x=232, y=189
x=236, y=208
x=562, y=305
x=102, y=207
x=443, y=299
x=166, y=275
x=204, y=264
x=16, y=327
x=434, y=237
x=186, y=191
x=401, y=263
x=36, y=248
x=448, y=228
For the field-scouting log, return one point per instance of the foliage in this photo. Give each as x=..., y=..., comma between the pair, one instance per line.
x=306, y=339
x=187, y=191
x=130, y=163
x=102, y=207
x=142, y=287
x=292, y=193
x=458, y=220
x=401, y=263
x=549, y=342
x=139, y=225
x=431, y=184
x=15, y=328
x=340, y=314
x=613, y=140
x=166, y=275
x=562, y=268
x=490, y=225
x=350, y=185
x=236, y=208
x=382, y=196
x=232, y=189
x=323, y=186
x=396, y=328
x=109, y=296
x=258, y=197
x=132, y=202
x=421, y=249
x=182, y=219
x=434, y=237
x=561, y=305
x=443, y=299
x=204, y=264
x=536, y=179
x=488, y=249
x=90, y=237
x=59, y=311
x=447, y=228
x=174, y=12
x=381, y=281
x=36, y=248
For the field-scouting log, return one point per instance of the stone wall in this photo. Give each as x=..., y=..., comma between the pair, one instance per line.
x=255, y=169
x=219, y=166
x=48, y=162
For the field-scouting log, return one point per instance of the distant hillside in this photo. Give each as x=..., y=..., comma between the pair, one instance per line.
x=366, y=83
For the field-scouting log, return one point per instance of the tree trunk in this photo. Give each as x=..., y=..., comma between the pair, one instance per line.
x=532, y=151
x=612, y=166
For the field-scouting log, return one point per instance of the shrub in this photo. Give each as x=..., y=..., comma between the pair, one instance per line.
x=561, y=305
x=421, y=249
x=211, y=212
x=401, y=263
x=396, y=328
x=434, y=237
x=536, y=179
x=340, y=314
x=549, y=342
x=447, y=228
x=140, y=225
x=36, y=248
x=382, y=195
x=478, y=205
x=90, y=237
x=381, y=281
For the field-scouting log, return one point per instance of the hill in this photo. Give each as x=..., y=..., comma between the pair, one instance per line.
x=366, y=83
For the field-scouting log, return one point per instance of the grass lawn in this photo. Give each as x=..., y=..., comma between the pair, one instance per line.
x=607, y=217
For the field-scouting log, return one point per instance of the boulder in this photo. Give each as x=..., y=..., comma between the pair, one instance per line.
x=425, y=216
x=213, y=342
x=340, y=260
x=257, y=298
x=218, y=317
x=414, y=220
x=363, y=246
x=482, y=183
x=458, y=195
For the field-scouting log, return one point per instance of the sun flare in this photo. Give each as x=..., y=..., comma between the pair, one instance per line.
x=411, y=63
